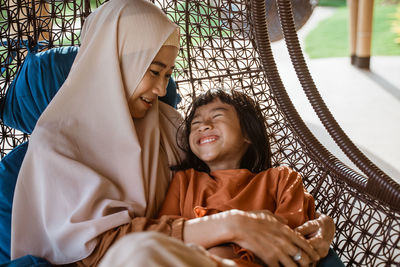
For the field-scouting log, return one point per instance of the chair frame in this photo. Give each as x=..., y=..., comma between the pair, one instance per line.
x=226, y=44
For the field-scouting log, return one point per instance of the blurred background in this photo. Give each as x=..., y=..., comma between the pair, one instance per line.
x=365, y=102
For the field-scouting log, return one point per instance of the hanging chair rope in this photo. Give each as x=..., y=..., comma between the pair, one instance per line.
x=378, y=183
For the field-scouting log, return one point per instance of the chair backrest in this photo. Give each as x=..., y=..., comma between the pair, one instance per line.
x=221, y=47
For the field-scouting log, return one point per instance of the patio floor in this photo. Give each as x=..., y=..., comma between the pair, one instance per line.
x=366, y=104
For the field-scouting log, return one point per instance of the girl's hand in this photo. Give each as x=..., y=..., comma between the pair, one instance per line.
x=272, y=240
x=319, y=233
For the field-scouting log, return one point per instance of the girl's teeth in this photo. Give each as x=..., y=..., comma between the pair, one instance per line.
x=207, y=140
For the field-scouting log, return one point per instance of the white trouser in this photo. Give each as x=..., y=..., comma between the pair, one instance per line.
x=150, y=249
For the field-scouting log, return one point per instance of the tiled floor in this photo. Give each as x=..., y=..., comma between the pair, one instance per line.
x=365, y=103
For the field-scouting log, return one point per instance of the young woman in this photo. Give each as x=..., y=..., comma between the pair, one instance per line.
x=98, y=157
x=228, y=166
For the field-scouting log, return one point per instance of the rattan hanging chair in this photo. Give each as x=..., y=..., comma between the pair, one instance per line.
x=226, y=44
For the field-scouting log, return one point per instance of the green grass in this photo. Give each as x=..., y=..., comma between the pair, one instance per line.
x=336, y=3
x=330, y=37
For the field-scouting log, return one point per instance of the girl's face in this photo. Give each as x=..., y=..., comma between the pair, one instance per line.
x=216, y=136
x=154, y=82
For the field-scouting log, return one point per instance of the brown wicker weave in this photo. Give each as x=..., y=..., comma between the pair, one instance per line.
x=226, y=44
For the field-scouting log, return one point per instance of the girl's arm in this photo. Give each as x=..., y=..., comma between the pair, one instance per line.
x=259, y=231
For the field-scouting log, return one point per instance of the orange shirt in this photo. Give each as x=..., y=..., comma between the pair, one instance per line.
x=195, y=194
x=280, y=190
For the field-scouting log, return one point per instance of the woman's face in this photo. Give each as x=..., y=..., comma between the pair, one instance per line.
x=216, y=136
x=154, y=82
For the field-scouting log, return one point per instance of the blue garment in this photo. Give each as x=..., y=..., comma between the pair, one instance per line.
x=172, y=97
x=9, y=169
x=331, y=260
x=27, y=261
x=35, y=84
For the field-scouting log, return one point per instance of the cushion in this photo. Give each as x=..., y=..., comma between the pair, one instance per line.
x=9, y=169
x=35, y=84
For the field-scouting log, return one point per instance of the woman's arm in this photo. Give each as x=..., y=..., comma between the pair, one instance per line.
x=319, y=233
x=259, y=231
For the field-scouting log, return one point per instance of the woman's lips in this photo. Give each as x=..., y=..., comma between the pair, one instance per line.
x=147, y=102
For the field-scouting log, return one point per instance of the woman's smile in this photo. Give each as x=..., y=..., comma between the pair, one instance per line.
x=148, y=103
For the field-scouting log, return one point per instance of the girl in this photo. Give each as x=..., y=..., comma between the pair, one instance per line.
x=228, y=166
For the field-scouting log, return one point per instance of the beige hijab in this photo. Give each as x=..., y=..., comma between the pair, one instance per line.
x=89, y=166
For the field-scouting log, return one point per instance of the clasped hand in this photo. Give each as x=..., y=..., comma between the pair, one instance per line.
x=268, y=237
x=264, y=234
x=319, y=233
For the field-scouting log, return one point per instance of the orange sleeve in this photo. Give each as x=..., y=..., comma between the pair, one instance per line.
x=174, y=199
x=168, y=225
x=293, y=202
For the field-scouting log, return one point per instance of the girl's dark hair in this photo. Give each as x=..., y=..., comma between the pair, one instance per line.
x=257, y=157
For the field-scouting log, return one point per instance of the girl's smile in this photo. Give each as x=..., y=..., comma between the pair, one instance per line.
x=207, y=140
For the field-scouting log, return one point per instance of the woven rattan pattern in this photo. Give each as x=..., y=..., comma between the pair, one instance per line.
x=219, y=49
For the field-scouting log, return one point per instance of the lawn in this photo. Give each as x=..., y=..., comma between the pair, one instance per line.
x=335, y=3
x=330, y=37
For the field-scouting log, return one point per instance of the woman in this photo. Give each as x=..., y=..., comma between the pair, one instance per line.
x=89, y=166
x=92, y=174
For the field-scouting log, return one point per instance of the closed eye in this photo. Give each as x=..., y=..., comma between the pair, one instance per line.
x=156, y=73
x=218, y=115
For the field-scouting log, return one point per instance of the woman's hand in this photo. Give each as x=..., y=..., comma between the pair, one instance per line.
x=260, y=232
x=319, y=233
x=272, y=240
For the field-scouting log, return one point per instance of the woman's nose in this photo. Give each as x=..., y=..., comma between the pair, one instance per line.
x=160, y=88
